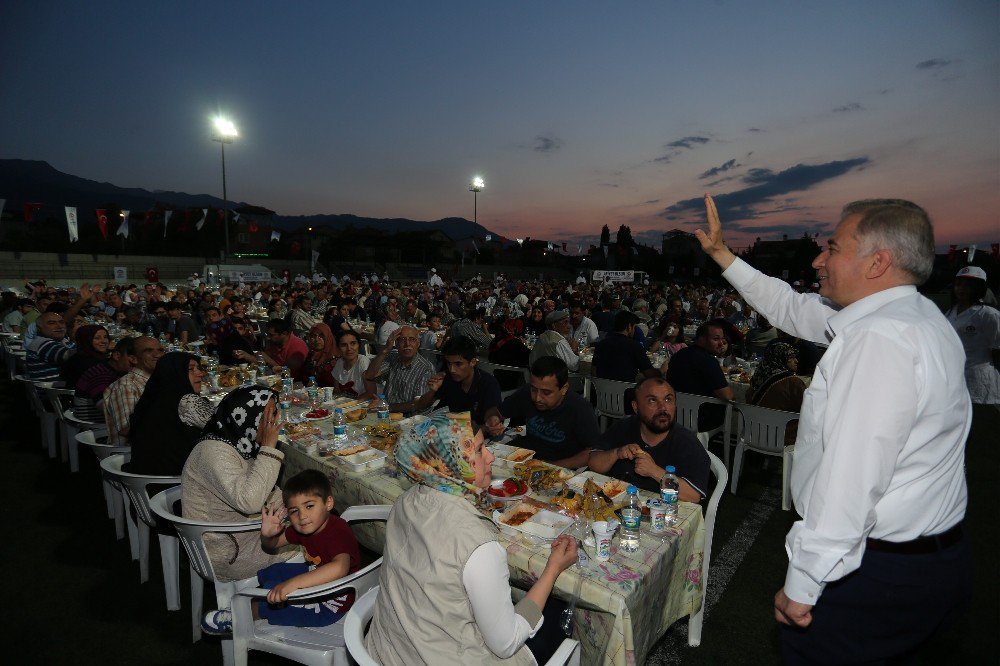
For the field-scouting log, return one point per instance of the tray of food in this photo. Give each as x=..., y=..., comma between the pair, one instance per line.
x=537, y=521
x=541, y=476
x=613, y=489
x=382, y=436
x=590, y=501
x=519, y=455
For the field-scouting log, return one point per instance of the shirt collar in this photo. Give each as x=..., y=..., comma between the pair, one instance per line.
x=867, y=305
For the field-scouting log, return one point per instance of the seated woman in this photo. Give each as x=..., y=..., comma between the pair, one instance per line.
x=230, y=475
x=233, y=340
x=322, y=356
x=91, y=348
x=169, y=416
x=348, y=372
x=775, y=385
x=444, y=592
x=89, y=388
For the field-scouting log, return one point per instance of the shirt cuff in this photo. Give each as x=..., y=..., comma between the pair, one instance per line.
x=739, y=272
x=530, y=611
x=801, y=588
x=272, y=453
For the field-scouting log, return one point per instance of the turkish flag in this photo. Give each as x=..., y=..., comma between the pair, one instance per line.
x=147, y=218
x=29, y=210
x=152, y=274
x=102, y=222
x=253, y=227
x=184, y=225
x=220, y=217
x=295, y=248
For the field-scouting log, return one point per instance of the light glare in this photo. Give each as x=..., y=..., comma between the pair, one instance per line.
x=477, y=183
x=225, y=127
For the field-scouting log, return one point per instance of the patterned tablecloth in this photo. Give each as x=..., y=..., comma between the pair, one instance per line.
x=626, y=604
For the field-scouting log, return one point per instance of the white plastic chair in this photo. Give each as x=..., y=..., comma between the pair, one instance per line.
x=59, y=399
x=191, y=533
x=610, y=399
x=763, y=431
x=487, y=366
x=136, y=488
x=356, y=624
x=112, y=494
x=696, y=621
x=46, y=416
x=305, y=645
x=688, y=405
x=71, y=425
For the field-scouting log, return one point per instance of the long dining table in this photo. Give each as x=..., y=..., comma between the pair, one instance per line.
x=625, y=604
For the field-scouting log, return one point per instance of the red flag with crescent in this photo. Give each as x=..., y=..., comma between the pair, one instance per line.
x=102, y=222
x=296, y=246
x=29, y=210
x=152, y=274
x=253, y=227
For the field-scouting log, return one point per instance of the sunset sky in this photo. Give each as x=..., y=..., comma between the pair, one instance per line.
x=576, y=114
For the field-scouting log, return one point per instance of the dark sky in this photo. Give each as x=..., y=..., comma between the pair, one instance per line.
x=576, y=114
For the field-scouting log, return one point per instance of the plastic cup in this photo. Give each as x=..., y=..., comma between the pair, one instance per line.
x=602, y=540
x=658, y=523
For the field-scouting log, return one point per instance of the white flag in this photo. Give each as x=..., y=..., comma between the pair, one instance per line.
x=549, y=246
x=166, y=221
x=489, y=237
x=275, y=235
x=123, y=229
x=71, y=224
x=201, y=222
x=315, y=256
x=236, y=217
x=474, y=246
x=972, y=252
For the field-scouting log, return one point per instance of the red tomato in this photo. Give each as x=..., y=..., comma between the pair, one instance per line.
x=510, y=487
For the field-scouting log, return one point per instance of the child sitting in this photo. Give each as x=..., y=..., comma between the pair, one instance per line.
x=331, y=552
x=330, y=549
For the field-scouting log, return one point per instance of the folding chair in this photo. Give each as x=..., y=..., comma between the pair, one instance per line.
x=721, y=479
x=610, y=399
x=763, y=431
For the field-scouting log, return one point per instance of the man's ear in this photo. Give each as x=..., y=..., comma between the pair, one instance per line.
x=878, y=264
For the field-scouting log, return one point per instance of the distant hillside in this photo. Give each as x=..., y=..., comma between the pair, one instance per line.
x=39, y=182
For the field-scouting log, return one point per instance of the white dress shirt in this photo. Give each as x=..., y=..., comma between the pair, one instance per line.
x=486, y=579
x=881, y=438
x=587, y=326
x=978, y=328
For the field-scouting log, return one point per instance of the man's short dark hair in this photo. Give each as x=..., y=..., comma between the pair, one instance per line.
x=551, y=365
x=702, y=331
x=173, y=305
x=459, y=345
x=279, y=326
x=209, y=309
x=57, y=307
x=307, y=482
x=624, y=319
x=656, y=379
x=125, y=346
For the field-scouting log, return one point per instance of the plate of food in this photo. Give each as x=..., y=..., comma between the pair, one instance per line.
x=613, y=489
x=382, y=436
x=507, y=490
x=534, y=520
x=355, y=415
x=540, y=475
x=318, y=414
x=519, y=456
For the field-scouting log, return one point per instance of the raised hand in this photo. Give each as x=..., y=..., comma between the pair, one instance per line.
x=712, y=241
x=271, y=520
x=435, y=381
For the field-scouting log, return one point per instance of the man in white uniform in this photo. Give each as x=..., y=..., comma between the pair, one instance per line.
x=978, y=326
x=878, y=561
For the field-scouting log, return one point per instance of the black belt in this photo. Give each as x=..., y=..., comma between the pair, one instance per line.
x=921, y=545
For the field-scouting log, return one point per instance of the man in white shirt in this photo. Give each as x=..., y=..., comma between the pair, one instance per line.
x=435, y=279
x=879, y=561
x=582, y=328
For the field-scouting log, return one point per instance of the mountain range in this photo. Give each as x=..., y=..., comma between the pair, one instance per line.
x=36, y=181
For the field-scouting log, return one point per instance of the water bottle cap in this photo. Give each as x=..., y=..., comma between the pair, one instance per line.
x=671, y=469
x=339, y=410
x=381, y=396
x=632, y=490
x=312, y=378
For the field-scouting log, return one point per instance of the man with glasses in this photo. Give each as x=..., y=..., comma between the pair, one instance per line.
x=120, y=398
x=405, y=376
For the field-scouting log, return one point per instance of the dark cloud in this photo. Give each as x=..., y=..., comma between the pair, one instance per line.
x=721, y=180
x=847, y=108
x=715, y=171
x=933, y=63
x=664, y=159
x=754, y=129
x=764, y=186
x=546, y=143
x=651, y=201
x=795, y=230
x=688, y=142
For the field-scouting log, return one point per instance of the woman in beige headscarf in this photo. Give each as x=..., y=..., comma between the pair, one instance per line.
x=444, y=593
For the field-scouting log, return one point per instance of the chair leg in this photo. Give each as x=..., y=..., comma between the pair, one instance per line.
x=50, y=437
x=109, y=499
x=130, y=526
x=694, y=626
x=224, y=597
x=118, y=507
x=63, y=441
x=73, y=446
x=142, y=532
x=786, y=476
x=737, y=465
x=197, y=596
x=169, y=546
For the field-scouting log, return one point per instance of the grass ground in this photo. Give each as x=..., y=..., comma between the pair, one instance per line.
x=73, y=594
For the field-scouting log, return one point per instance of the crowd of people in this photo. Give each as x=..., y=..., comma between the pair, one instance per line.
x=133, y=357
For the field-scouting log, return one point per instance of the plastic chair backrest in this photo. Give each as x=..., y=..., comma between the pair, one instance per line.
x=491, y=368
x=192, y=531
x=135, y=485
x=101, y=449
x=687, y=410
x=611, y=396
x=764, y=429
x=721, y=481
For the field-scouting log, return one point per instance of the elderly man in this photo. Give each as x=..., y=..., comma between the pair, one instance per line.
x=302, y=319
x=405, y=376
x=561, y=426
x=639, y=448
x=581, y=327
x=554, y=341
x=879, y=560
x=49, y=349
x=122, y=395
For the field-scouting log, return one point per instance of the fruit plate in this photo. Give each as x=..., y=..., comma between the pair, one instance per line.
x=317, y=414
x=498, y=484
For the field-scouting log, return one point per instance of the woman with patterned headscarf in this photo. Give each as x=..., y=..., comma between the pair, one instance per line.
x=231, y=474
x=776, y=386
x=322, y=356
x=444, y=588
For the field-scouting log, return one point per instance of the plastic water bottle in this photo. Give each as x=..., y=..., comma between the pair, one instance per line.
x=669, y=491
x=286, y=379
x=631, y=515
x=262, y=369
x=285, y=402
x=339, y=427
x=312, y=393
x=382, y=409
x=215, y=361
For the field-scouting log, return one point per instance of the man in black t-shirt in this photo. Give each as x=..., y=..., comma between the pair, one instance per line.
x=618, y=356
x=696, y=370
x=638, y=449
x=464, y=387
x=561, y=426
